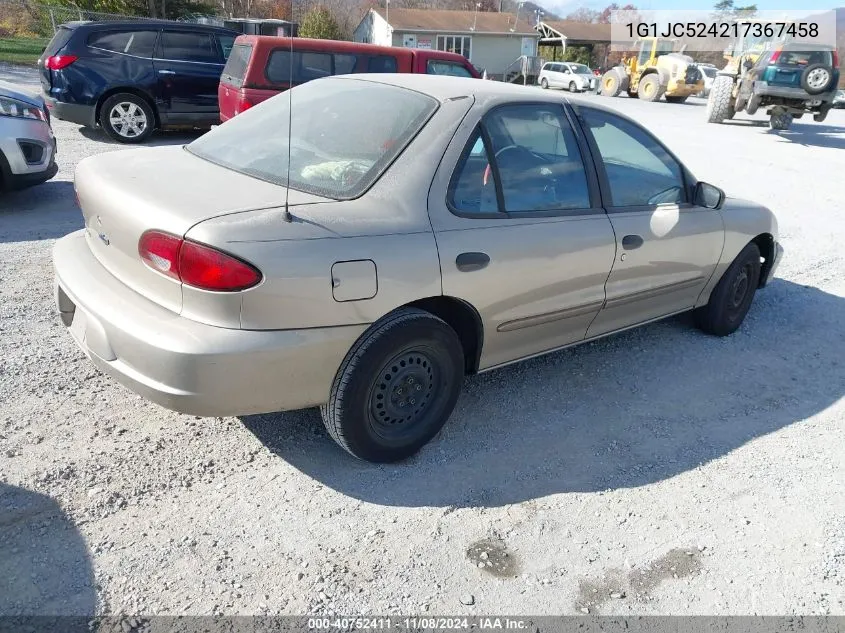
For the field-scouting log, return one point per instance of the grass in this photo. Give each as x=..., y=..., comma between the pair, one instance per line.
x=21, y=50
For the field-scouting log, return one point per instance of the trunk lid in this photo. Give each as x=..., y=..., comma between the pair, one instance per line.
x=123, y=194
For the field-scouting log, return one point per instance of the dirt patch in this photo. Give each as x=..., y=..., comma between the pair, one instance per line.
x=491, y=556
x=636, y=584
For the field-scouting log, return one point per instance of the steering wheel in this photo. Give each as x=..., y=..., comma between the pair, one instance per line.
x=487, y=170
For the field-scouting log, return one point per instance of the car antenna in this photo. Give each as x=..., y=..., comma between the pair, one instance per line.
x=287, y=216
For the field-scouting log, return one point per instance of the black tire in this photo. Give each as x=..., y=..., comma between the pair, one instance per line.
x=573, y=87
x=720, y=103
x=817, y=78
x=544, y=83
x=613, y=82
x=369, y=413
x=753, y=104
x=139, y=121
x=780, y=121
x=676, y=99
x=649, y=88
x=732, y=296
x=821, y=115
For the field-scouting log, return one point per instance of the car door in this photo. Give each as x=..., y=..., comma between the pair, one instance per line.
x=188, y=65
x=519, y=230
x=667, y=248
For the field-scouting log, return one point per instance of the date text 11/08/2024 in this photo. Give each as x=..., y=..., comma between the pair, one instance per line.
x=417, y=623
x=728, y=30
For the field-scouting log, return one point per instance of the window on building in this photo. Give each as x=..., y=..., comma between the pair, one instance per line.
x=455, y=44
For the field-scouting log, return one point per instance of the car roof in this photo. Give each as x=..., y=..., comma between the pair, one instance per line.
x=146, y=22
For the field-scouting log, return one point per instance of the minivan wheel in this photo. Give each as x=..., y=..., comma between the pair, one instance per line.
x=573, y=87
x=732, y=296
x=127, y=118
x=544, y=83
x=396, y=387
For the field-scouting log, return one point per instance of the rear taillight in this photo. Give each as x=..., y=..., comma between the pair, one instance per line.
x=775, y=55
x=243, y=105
x=196, y=264
x=57, y=62
x=835, y=59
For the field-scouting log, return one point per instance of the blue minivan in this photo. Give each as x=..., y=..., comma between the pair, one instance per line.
x=133, y=77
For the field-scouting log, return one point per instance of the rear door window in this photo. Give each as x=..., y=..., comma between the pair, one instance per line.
x=188, y=47
x=235, y=69
x=344, y=64
x=436, y=67
x=137, y=43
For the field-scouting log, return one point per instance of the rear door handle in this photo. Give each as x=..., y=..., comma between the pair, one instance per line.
x=630, y=242
x=468, y=262
x=167, y=72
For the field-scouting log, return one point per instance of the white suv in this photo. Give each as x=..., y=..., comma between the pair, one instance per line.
x=574, y=77
x=27, y=144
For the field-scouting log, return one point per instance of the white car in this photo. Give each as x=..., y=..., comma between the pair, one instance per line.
x=27, y=144
x=709, y=73
x=574, y=77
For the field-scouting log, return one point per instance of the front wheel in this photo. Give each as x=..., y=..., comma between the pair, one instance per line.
x=573, y=87
x=732, y=296
x=720, y=103
x=127, y=118
x=396, y=387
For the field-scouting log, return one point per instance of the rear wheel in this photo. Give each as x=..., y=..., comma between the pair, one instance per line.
x=396, y=387
x=127, y=118
x=732, y=296
x=544, y=83
x=720, y=104
x=649, y=89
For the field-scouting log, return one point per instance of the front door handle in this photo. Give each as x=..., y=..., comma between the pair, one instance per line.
x=468, y=262
x=630, y=242
x=167, y=72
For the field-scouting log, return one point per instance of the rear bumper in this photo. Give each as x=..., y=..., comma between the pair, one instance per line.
x=765, y=89
x=71, y=112
x=184, y=365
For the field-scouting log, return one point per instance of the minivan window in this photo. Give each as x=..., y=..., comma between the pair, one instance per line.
x=235, y=69
x=137, y=43
x=436, y=67
x=307, y=65
x=188, y=47
x=340, y=135
x=382, y=64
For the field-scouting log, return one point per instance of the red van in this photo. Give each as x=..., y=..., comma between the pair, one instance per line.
x=259, y=66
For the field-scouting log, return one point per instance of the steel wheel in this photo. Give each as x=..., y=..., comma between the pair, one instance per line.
x=401, y=398
x=128, y=120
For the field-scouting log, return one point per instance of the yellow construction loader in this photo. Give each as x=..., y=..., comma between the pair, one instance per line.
x=654, y=71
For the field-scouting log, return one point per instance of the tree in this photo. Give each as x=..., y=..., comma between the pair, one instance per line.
x=583, y=14
x=606, y=15
x=725, y=10
x=319, y=23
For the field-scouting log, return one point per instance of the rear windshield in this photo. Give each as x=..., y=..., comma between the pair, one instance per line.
x=798, y=58
x=345, y=133
x=235, y=68
x=59, y=40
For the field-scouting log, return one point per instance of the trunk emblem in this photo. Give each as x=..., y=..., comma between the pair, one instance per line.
x=104, y=238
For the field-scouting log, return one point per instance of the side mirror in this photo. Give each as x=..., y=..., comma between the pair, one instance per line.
x=708, y=196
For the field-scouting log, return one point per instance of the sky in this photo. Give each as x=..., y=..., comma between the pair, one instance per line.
x=562, y=7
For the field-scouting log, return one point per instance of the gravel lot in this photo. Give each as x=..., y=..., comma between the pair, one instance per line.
x=660, y=471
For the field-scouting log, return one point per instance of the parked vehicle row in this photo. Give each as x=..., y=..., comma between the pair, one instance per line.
x=130, y=78
x=366, y=243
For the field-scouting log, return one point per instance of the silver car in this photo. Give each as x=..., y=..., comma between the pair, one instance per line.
x=361, y=243
x=574, y=77
x=27, y=144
